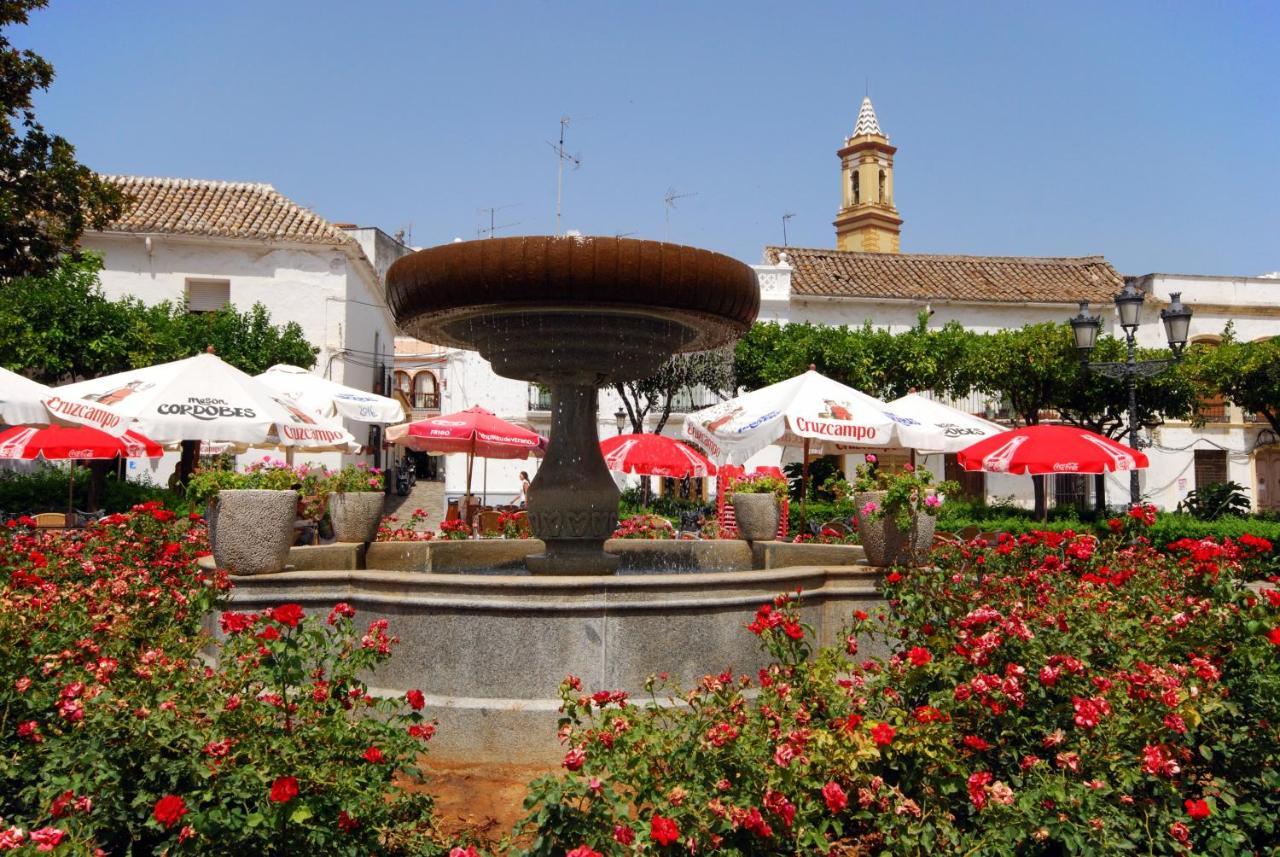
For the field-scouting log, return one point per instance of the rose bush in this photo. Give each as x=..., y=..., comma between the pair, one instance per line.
x=125, y=729
x=1044, y=695
x=390, y=529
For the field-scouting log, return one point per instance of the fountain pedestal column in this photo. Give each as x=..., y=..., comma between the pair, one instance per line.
x=573, y=501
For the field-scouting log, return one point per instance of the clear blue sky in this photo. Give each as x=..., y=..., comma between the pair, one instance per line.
x=1148, y=132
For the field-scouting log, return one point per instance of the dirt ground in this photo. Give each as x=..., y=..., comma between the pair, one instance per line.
x=486, y=800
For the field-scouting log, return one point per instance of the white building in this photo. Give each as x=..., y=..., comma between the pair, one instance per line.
x=215, y=243
x=989, y=293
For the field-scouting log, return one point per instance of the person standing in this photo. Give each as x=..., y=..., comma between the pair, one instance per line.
x=523, y=499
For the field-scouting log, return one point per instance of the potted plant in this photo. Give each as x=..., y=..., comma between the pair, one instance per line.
x=356, y=494
x=896, y=512
x=251, y=514
x=755, y=506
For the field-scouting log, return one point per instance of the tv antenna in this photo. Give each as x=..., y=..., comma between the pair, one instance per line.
x=494, y=227
x=785, y=218
x=670, y=202
x=562, y=157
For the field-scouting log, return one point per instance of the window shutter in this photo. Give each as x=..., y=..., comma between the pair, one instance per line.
x=208, y=295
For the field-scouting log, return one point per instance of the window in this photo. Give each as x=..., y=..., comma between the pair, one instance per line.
x=973, y=483
x=426, y=391
x=1071, y=489
x=856, y=191
x=881, y=196
x=208, y=295
x=1211, y=466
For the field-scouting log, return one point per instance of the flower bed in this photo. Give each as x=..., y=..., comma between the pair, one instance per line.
x=645, y=527
x=1050, y=694
x=391, y=530
x=118, y=735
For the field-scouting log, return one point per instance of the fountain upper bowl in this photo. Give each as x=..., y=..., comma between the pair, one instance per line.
x=482, y=294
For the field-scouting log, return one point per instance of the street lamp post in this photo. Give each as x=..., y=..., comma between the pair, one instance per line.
x=620, y=419
x=1085, y=327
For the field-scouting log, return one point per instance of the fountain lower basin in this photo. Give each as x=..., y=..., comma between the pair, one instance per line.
x=490, y=651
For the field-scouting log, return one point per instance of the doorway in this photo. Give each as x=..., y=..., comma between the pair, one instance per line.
x=1266, y=491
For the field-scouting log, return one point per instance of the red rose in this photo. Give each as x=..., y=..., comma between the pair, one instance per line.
x=284, y=789
x=1197, y=809
x=169, y=810
x=574, y=759
x=919, y=656
x=268, y=633
x=415, y=699
x=623, y=834
x=893, y=577
x=374, y=756
x=1274, y=636
x=835, y=797
x=882, y=734
x=663, y=830
x=288, y=614
x=346, y=823
x=583, y=851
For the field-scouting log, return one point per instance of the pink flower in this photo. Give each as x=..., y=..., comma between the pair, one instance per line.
x=574, y=759
x=48, y=838
x=583, y=851
x=933, y=501
x=870, y=508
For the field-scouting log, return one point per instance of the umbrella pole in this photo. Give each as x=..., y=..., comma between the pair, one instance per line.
x=484, y=485
x=804, y=476
x=71, y=489
x=471, y=460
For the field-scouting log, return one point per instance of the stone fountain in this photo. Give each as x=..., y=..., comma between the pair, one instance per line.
x=574, y=314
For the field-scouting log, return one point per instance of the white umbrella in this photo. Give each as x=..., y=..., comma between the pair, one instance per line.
x=204, y=398
x=326, y=399
x=22, y=400
x=806, y=410
x=953, y=429
x=26, y=402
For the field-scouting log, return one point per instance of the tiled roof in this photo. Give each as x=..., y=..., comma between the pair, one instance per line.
x=917, y=276
x=219, y=209
x=867, y=122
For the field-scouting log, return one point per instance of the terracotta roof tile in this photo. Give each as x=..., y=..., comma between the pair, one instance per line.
x=220, y=209
x=918, y=276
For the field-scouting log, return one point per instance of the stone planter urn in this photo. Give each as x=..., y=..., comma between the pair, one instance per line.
x=251, y=530
x=756, y=515
x=355, y=515
x=884, y=543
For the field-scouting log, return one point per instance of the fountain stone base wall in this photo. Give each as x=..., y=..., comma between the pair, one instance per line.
x=490, y=651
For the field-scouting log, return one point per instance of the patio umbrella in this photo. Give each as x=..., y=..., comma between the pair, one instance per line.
x=326, y=399
x=807, y=410
x=1050, y=449
x=207, y=399
x=63, y=443
x=26, y=402
x=952, y=428
x=654, y=455
x=475, y=431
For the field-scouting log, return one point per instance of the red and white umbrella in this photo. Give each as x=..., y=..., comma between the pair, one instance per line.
x=475, y=432
x=60, y=443
x=1050, y=449
x=654, y=455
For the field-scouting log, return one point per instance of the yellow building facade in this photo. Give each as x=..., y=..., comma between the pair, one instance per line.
x=867, y=221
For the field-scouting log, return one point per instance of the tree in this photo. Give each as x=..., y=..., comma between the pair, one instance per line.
x=656, y=394
x=60, y=327
x=1247, y=373
x=873, y=360
x=47, y=198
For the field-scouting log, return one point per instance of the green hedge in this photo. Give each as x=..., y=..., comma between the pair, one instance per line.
x=45, y=490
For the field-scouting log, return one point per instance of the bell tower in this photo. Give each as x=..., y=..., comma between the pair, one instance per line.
x=867, y=221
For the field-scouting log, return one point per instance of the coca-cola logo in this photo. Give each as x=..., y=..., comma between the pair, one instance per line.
x=1066, y=466
x=205, y=409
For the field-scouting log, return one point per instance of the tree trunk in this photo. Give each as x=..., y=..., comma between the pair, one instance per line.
x=1042, y=501
x=97, y=484
x=1100, y=493
x=187, y=463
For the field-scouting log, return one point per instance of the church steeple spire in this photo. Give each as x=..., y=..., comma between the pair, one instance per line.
x=867, y=221
x=867, y=122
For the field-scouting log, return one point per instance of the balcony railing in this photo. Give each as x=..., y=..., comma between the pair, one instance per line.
x=694, y=399
x=539, y=398
x=1213, y=411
